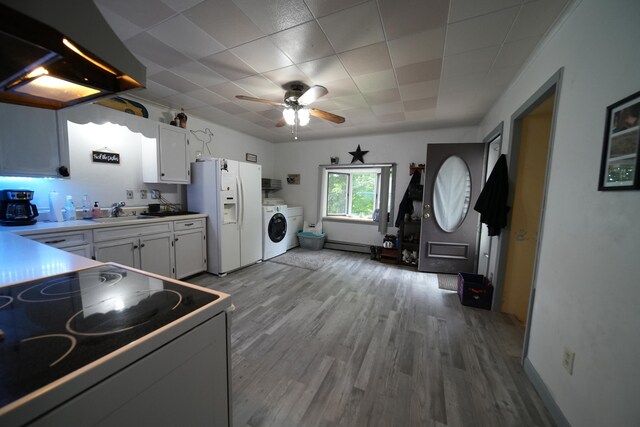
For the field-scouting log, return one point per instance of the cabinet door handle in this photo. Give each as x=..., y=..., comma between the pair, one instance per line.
x=50, y=242
x=176, y=239
x=142, y=245
x=135, y=247
x=189, y=224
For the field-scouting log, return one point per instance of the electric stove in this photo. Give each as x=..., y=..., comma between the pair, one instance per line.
x=55, y=326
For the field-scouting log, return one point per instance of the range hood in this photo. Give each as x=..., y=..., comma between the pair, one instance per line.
x=54, y=54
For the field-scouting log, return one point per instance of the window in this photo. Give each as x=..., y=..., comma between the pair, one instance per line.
x=354, y=192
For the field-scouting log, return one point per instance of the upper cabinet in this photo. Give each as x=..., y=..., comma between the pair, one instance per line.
x=166, y=159
x=31, y=143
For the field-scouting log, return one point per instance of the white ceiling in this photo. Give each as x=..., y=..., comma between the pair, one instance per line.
x=389, y=65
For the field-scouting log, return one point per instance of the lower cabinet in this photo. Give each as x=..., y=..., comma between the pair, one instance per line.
x=190, y=244
x=152, y=253
x=75, y=242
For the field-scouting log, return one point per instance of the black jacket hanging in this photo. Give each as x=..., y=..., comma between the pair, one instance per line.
x=406, y=205
x=492, y=202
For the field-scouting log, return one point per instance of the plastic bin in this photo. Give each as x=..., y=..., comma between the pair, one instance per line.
x=309, y=240
x=475, y=290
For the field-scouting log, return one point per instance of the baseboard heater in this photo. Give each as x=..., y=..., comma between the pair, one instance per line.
x=346, y=246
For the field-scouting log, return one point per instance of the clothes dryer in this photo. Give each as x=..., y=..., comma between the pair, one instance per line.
x=274, y=223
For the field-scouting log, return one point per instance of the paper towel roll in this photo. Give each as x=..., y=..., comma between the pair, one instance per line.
x=55, y=207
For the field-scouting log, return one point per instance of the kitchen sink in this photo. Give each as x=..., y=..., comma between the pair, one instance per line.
x=120, y=219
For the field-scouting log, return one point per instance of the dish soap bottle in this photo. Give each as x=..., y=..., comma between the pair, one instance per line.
x=86, y=209
x=95, y=211
x=70, y=210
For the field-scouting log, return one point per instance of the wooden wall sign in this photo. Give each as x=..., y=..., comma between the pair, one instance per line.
x=105, y=157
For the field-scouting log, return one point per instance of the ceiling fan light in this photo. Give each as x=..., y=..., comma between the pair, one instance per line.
x=303, y=117
x=289, y=115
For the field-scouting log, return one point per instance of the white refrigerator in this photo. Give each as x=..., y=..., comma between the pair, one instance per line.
x=228, y=191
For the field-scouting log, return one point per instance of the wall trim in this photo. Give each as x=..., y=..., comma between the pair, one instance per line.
x=545, y=395
x=346, y=246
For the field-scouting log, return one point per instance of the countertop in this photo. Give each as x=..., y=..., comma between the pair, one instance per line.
x=22, y=259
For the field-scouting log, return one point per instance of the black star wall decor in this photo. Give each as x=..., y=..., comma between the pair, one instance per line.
x=358, y=154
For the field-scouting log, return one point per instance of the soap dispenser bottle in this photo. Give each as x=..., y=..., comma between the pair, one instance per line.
x=86, y=208
x=95, y=211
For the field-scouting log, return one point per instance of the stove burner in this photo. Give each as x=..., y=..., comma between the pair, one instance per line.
x=69, y=337
x=72, y=284
x=9, y=301
x=111, y=321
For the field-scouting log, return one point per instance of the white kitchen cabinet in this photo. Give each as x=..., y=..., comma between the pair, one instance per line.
x=166, y=159
x=147, y=247
x=184, y=382
x=30, y=142
x=295, y=223
x=75, y=242
x=190, y=244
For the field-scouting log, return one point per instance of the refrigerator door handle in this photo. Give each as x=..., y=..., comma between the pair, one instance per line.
x=240, y=198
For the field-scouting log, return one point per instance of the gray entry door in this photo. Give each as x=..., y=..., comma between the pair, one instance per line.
x=450, y=226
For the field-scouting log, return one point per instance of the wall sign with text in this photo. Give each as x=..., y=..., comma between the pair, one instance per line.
x=105, y=157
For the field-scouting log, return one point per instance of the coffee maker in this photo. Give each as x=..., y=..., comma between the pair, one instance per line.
x=16, y=207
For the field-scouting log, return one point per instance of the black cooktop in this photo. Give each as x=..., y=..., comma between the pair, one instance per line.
x=56, y=325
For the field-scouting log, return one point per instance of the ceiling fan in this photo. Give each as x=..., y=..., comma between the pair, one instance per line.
x=296, y=100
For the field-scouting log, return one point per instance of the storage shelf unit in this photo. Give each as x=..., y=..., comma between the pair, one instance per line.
x=409, y=236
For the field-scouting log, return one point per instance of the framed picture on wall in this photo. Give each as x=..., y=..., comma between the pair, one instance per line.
x=619, y=166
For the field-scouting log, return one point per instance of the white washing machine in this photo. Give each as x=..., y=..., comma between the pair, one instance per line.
x=274, y=224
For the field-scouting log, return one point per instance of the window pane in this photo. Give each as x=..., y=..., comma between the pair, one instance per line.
x=363, y=196
x=337, y=192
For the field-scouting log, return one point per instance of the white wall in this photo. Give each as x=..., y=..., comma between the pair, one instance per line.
x=303, y=157
x=587, y=294
x=107, y=183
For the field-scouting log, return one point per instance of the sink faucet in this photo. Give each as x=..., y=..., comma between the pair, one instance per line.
x=116, y=209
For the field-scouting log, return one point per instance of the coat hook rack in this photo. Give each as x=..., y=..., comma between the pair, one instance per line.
x=413, y=168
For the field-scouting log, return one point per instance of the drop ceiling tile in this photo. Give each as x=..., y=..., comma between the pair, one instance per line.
x=464, y=9
x=501, y=77
x=392, y=107
x=353, y=28
x=476, y=33
x=199, y=74
x=471, y=62
x=154, y=91
x=180, y=100
x=259, y=86
x=382, y=97
x=535, y=18
x=173, y=81
x=252, y=117
x=390, y=118
x=149, y=47
x=231, y=108
x=367, y=59
x=427, y=89
x=275, y=15
x=419, y=47
x=229, y=91
x=180, y=5
x=349, y=102
x=286, y=75
x=207, y=96
x=459, y=84
x=515, y=53
x=271, y=114
x=152, y=67
x=409, y=17
x=321, y=8
x=266, y=124
x=228, y=65
x=375, y=82
x=144, y=14
x=123, y=28
x=325, y=105
x=186, y=37
x=257, y=107
x=422, y=71
x=303, y=43
x=420, y=104
x=262, y=55
x=324, y=70
x=420, y=115
x=342, y=87
x=224, y=21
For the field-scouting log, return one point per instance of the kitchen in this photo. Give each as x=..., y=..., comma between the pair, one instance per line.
x=584, y=97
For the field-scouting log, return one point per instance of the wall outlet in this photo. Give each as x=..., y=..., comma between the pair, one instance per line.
x=129, y=194
x=143, y=194
x=155, y=194
x=567, y=360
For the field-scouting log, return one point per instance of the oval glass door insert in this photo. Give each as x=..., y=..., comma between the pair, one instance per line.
x=452, y=194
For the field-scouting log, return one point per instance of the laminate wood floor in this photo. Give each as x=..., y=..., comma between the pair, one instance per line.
x=361, y=343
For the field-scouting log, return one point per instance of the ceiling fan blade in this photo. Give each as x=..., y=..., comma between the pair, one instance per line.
x=325, y=115
x=313, y=93
x=264, y=101
x=281, y=122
